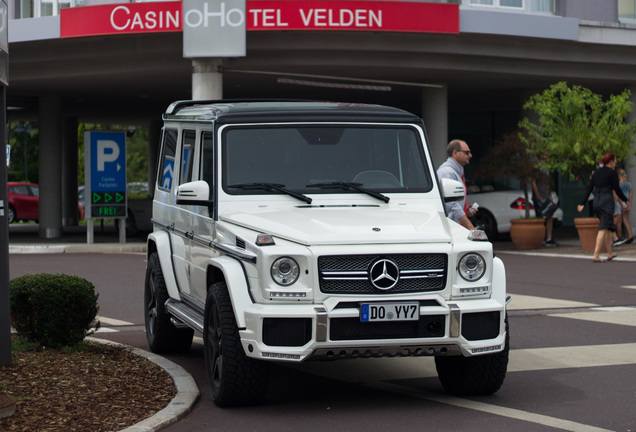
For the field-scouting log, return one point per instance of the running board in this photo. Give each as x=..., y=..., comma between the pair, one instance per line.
x=186, y=314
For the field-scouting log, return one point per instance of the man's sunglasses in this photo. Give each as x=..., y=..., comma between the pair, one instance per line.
x=465, y=151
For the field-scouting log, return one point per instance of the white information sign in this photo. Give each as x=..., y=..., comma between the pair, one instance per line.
x=213, y=28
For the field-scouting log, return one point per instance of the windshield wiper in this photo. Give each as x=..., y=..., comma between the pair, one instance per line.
x=351, y=186
x=272, y=186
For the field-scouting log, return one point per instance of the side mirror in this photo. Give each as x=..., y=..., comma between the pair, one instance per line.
x=194, y=193
x=452, y=190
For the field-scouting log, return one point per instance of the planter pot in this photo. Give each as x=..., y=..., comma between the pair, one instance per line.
x=527, y=233
x=587, y=227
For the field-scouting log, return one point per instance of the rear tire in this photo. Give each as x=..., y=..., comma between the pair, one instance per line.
x=233, y=378
x=162, y=335
x=470, y=376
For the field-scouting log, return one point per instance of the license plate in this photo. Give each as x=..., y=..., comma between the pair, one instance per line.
x=370, y=312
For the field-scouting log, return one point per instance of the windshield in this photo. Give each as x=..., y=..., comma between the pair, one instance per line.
x=312, y=159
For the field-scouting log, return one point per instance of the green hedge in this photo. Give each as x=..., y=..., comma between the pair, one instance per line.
x=53, y=310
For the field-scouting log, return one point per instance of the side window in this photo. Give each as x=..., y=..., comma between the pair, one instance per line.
x=19, y=190
x=207, y=158
x=187, y=155
x=166, y=163
x=35, y=191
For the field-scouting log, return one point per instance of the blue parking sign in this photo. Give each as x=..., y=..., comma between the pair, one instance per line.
x=105, y=174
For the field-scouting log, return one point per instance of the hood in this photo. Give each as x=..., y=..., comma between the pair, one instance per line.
x=346, y=224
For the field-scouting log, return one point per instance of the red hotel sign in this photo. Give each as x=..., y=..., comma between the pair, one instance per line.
x=263, y=15
x=391, y=16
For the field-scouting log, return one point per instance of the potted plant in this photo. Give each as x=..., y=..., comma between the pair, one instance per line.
x=574, y=128
x=509, y=158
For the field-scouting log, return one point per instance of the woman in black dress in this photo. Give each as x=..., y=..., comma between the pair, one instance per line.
x=603, y=182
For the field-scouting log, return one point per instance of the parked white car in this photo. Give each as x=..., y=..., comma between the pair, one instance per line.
x=294, y=231
x=498, y=207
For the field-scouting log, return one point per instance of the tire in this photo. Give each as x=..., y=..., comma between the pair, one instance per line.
x=11, y=215
x=233, y=378
x=485, y=221
x=131, y=225
x=470, y=376
x=162, y=335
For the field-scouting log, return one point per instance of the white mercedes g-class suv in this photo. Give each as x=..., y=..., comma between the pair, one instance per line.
x=289, y=231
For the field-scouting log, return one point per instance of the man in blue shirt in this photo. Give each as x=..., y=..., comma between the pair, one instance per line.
x=459, y=156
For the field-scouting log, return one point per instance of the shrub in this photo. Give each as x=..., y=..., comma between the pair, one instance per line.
x=53, y=310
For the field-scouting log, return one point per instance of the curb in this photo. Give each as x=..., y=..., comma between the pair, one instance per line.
x=187, y=391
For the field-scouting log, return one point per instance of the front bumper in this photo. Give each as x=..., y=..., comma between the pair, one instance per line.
x=333, y=330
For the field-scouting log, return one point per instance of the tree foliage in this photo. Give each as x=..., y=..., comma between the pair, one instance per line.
x=576, y=127
x=23, y=164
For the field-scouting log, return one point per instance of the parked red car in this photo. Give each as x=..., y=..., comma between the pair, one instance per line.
x=23, y=201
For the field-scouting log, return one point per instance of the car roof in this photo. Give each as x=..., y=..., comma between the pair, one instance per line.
x=238, y=111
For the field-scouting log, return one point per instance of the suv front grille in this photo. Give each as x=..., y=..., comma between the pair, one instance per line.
x=349, y=274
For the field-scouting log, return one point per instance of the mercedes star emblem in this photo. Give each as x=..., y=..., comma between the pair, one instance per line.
x=384, y=274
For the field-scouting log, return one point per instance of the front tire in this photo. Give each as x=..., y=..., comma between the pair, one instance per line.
x=11, y=215
x=162, y=335
x=233, y=378
x=470, y=376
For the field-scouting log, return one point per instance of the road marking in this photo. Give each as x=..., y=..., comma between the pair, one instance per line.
x=524, y=360
x=622, y=316
x=488, y=408
x=113, y=321
x=377, y=373
x=106, y=330
x=629, y=286
x=526, y=302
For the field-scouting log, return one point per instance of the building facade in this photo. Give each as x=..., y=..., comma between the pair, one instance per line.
x=465, y=66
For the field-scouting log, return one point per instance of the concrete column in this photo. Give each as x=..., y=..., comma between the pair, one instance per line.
x=154, y=145
x=70, y=146
x=207, y=79
x=435, y=116
x=50, y=160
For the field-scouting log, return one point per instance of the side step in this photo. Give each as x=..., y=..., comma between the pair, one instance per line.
x=187, y=315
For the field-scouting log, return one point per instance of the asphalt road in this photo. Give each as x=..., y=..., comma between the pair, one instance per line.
x=573, y=358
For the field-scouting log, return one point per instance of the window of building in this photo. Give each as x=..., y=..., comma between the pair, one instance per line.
x=43, y=8
x=532, y=6
x=627, y=9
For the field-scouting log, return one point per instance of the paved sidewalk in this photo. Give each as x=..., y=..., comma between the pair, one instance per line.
x=24, y=238
x=569, y=246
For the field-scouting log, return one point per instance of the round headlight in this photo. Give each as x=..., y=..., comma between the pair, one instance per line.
x=285, y=271
x=472, y=267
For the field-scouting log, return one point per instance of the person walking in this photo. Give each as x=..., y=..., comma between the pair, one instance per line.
x=603, y=182
x=626, y=187
x=541, y=197
x=459, y=156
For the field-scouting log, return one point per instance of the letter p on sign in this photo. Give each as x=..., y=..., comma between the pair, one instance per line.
x=107, y=151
